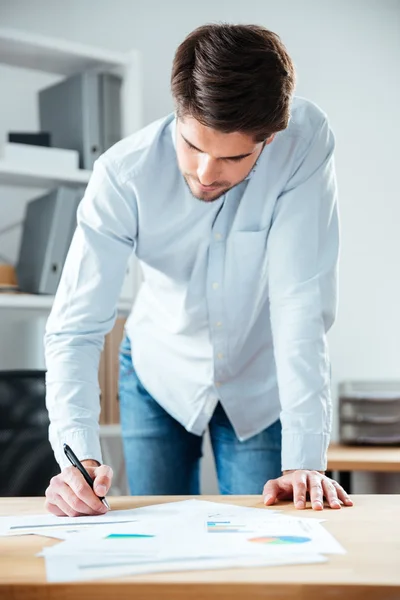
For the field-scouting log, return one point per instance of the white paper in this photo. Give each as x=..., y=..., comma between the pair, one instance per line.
x=28, y=524
x=62, y=527
x=177, y=545
x=253, y=524
x=64, y=569
x=49, y=533
x=197, y=534
x=92, y=554
x=31, y=524
x=186, y=535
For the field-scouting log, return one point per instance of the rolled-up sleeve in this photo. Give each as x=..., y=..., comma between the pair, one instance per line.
x=303, y=249
x=84, y=311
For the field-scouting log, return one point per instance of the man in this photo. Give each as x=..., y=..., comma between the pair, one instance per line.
x=230, y=207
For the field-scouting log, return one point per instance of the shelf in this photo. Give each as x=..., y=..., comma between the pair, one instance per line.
x=26, y=301
x=14, y=174
x=44, y=303
x=31, y=51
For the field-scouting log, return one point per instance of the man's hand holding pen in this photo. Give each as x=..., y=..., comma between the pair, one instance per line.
x=69, y=495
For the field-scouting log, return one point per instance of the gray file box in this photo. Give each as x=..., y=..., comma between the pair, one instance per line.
x=369, y=412
x=83, y=113
x=50, y=222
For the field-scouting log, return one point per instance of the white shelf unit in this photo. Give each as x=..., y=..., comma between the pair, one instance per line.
x=32, y=302
x=20, y=175
x=51, y=55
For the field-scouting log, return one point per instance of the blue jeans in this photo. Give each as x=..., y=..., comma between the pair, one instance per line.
x=163, y=458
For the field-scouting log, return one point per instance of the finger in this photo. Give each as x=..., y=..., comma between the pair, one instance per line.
x=330, y=493
x=342, y=494
x=285, y=490
x=54, y=499
x=299, y=489
x=54, y=509
x=60, y=494
x=103, y=477
x=316, y=490
x=75, y=503
x=270, y=492
x=69, y=510
x=79, y=494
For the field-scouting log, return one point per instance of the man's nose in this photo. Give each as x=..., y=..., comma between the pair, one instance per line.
x=207, y=171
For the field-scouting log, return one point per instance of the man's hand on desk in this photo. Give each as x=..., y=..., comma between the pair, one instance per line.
x=296, y=484
x=68, y=494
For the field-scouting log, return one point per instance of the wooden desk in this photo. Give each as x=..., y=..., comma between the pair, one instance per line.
x=369, y=531
x=346, y=459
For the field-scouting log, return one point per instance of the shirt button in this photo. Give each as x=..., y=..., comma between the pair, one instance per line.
x=215, y=285
x=218, y=236
x=220, y=355
x=218, y=324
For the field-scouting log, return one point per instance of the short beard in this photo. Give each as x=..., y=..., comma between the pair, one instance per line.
x=205, y=199
x=222, y=193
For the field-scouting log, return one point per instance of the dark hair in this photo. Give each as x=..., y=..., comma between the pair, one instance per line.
x=234, y=78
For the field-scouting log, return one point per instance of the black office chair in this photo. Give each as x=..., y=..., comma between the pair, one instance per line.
x=27, y=461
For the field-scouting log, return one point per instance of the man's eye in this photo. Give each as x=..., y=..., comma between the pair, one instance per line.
x=235, y=159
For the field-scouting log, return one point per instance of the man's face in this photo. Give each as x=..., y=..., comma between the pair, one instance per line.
x=213, y=162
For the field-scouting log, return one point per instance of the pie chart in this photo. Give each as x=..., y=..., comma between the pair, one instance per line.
x=280, y=539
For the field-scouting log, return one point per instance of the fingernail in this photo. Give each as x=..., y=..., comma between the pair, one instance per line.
x=318, y=505
x=101, y=490
x=267, y=498
x=300, y=504
x=336, y=503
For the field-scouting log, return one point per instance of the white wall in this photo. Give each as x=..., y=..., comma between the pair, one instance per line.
x=347, y=56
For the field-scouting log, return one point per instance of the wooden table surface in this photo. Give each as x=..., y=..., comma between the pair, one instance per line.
x=364, y=458
x=369, y=531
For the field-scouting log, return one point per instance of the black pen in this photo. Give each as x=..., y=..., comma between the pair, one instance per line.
x=75, y=462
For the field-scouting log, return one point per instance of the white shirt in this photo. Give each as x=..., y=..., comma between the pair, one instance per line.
x=237, y=298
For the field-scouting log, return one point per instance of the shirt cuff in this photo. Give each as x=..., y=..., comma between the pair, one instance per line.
x=304, y=451
x=85, y=443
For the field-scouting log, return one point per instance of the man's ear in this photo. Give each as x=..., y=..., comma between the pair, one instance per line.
x=270, y=139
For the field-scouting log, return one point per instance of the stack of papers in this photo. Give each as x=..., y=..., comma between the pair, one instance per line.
x=176, y=536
